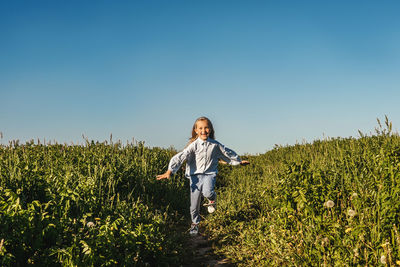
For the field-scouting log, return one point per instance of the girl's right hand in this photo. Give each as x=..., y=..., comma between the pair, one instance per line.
x=165, y=175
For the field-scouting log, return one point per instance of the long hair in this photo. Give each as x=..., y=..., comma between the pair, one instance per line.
x=194, y=134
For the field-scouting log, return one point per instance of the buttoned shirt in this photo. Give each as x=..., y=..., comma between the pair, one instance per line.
x=202, y=157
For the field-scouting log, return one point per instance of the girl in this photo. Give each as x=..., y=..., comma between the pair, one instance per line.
x=202, y=155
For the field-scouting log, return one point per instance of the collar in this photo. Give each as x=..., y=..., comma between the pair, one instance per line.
x=201, y=141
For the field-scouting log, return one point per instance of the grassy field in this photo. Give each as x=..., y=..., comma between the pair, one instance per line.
x=333, y=202
x=92, y=205
x=329, y=203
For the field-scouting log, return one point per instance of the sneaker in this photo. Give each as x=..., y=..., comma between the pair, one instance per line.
x=210, y=206
x=194, y=229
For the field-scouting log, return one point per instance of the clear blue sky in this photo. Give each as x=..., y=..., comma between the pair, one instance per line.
x=265, y=72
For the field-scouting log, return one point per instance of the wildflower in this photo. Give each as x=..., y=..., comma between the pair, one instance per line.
x=348, y=230
x=329, y=204
x=324, y=241
x=384, y=245
x=90, y=224
x=354, y=195
x=351, y=213
x=356, y=252
x=383, y=259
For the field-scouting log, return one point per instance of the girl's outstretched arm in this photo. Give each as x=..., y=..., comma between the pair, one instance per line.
x=230, y=156
x=176, y=162
x=165, y=175
x=243, y=162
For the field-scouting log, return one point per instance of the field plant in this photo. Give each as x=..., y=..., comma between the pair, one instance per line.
x=333, y=202
x=96, y=204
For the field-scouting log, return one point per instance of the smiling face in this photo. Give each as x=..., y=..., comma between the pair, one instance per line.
x=202, y=129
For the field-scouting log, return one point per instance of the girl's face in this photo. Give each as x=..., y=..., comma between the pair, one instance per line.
x=202, y=129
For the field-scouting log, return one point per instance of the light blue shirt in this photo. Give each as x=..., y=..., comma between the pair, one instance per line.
x=202, y=157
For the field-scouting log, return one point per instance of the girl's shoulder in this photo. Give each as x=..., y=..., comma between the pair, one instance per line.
x=213, y=141
x=191, y=144
x=216, y=144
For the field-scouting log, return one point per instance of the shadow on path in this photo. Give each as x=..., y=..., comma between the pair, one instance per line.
x=201, y=253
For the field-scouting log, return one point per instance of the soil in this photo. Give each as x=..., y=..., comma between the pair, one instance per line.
x=201, y=253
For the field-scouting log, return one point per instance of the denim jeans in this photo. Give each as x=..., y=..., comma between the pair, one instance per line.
x=200, y=185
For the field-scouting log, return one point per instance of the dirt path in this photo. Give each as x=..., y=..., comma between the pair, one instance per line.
x=202, y=253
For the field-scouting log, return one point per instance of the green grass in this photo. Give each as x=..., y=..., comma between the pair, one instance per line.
x=92, y=205
x=332, y=202
x=276, y=210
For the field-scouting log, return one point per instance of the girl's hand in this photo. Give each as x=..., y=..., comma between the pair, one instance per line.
x=244, y=162
x=165, y=175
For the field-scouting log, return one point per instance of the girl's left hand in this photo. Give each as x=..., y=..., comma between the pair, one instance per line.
x=244, y=162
